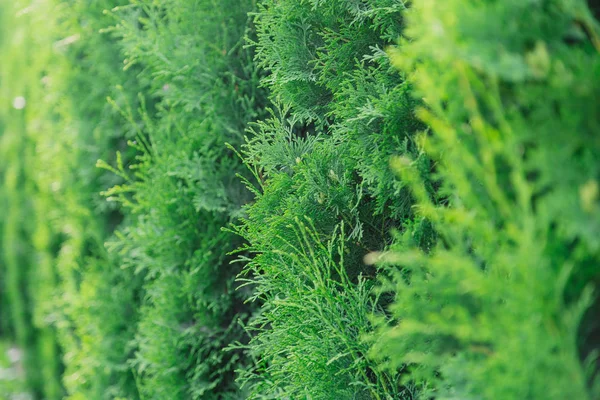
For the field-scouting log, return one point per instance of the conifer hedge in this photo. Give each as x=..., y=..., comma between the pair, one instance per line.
x=301, y=199
x=505, y=305
x=183, y=188
x=325, y=195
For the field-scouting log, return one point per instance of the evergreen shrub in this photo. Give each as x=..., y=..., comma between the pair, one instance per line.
x=503, y=305
x=325, y=195
x=290, y=203
x=182, y=188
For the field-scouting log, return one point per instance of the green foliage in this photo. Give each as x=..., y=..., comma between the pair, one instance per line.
x=325, y=62
x=309, y=46
x=498, y=308
x=97, y=300
x=311, y=321
x=22, y=284
x=323, y=155
x=253, y=139
x=57, y=220
x=182, y=189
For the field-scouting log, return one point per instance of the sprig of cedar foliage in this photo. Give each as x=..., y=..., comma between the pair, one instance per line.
x=322, y=156
x=504, y=305
x=325, y=62
x=183, y=188
x=305, y=338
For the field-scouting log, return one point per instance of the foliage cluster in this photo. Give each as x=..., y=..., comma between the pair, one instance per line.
x=183, y=188
x=325, y=195
x=58, y=273
x=290, y=202
x=503, y=305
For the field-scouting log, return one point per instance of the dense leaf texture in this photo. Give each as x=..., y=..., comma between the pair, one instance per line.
x=184, y=189
x=58, y=272
x=245, y=234
x=498, y=308
x=323, y=183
